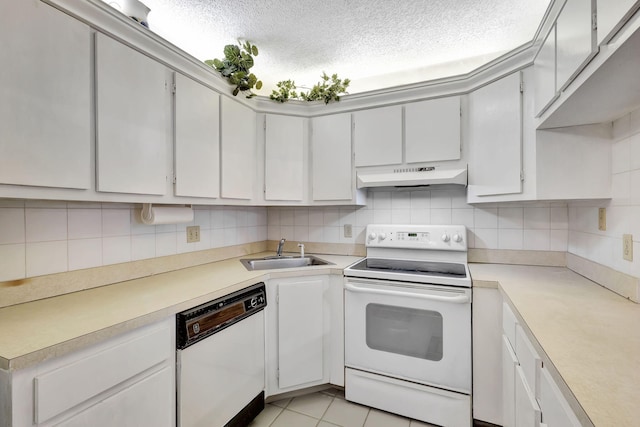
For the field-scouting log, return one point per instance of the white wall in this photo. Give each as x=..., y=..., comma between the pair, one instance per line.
x=531, y=226
x=623, y=211
x=38, y=237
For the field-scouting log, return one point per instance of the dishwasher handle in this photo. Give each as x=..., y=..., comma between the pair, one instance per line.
x=458, y=299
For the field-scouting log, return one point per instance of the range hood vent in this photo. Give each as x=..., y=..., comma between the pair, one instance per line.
x=413, y=177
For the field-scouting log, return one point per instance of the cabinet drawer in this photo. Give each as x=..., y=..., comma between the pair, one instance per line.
x=528, y=359
x=90, y=376
x=509, y=323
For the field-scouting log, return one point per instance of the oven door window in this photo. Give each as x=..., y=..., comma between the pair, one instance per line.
x=406, y=331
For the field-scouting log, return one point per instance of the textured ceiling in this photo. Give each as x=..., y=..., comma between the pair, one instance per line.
x=375, y=43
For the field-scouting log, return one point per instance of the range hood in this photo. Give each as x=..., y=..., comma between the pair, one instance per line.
x=412, y=177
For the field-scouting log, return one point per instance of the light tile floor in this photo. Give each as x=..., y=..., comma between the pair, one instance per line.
x=327, y=408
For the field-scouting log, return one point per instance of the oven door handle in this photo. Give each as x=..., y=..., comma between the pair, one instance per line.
x=458, y=299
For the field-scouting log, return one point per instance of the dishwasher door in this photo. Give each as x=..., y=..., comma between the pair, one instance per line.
x=220, y=375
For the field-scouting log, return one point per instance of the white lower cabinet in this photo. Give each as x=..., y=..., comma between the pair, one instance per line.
x=530, y=396
x=298, y=348
x=128, y=380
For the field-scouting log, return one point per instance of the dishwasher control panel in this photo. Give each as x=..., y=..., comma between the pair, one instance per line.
x=206, y=319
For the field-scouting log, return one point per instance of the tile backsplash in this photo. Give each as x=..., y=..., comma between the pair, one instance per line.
x=38, y=237
x=539, y=226
x=623, y=210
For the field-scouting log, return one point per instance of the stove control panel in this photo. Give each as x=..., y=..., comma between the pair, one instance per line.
x=433, y=237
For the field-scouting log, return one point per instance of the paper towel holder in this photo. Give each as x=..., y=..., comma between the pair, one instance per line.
x=170, y=214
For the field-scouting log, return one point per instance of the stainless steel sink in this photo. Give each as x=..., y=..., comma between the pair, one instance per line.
x=270, y=263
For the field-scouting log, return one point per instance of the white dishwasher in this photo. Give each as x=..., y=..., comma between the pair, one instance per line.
x=220, y=360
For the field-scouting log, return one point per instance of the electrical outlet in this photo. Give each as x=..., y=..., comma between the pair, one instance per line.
x=193, y=234
x=627, y=247
x=348, y=230
x=602, y=219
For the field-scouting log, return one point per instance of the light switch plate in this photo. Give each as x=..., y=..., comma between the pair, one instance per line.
x=602, y=219
x=193, y=234
x=627, y=247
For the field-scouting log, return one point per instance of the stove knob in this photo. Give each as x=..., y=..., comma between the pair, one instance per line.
x=382, y=236
x=372, y=236
x=445, y=237
x=457, y=238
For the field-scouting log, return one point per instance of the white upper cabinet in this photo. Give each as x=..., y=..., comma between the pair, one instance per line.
x=544, y=74
x=239, y=153
x=285, y=153
x=432, y=130
x=611, y=15
x=378, y=136
x=495, y=137
x=575, y=40
x=132, y=120
x=332, y=167
x=45, y=97
x=197, y=144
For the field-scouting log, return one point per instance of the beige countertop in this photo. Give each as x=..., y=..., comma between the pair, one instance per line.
x=590, y=335
x=39, y=330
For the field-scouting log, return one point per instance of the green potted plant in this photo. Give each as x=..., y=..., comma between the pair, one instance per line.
x=235, y=66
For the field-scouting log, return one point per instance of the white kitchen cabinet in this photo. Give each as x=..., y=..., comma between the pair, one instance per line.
x=285, y=155
x=556, y=411
x=495, y=137
x=611, y=15
x=127, y=380
x=197, y=139
x=332, y=164
x=132, y=120
x=45, y=97
x=487, y=361
x=298, y=333
x=432, y=130
x=527, y=409
x=558, y=164
x=378, y=136
x=544, y=74
x=575, y=40
x=238, y=154
x=509, y=364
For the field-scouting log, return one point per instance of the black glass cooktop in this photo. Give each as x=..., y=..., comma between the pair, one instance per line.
x=423, y=268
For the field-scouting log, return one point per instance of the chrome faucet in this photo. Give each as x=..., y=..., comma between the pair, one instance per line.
x=280, y=245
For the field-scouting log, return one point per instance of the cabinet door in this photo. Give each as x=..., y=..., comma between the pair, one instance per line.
x=331, y=157
x=284, y=158
x=509, y=364
x=612, y=14
x=238, y=154
x=574, y=40
x=197, y=144
x=147, y=402
x=378, y=136
x=544, y=74
x=132, y=101
x=300, y=332
x=495, y=133
x=556, y=412
x=432, y=130
x=45, y=98
x=527, y=409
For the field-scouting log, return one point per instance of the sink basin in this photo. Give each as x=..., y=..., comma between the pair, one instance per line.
x=269, y=263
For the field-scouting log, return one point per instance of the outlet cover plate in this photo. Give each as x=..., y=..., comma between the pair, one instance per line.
x=627, y=247
x=348, y=230
x=602, y=219
x=193, y=234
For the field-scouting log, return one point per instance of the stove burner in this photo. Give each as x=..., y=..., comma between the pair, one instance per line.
x=423, y=268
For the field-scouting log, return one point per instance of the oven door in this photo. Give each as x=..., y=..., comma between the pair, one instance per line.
x=420, y=333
